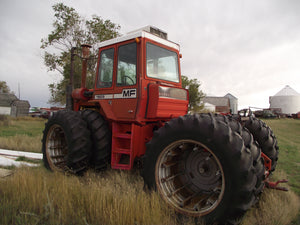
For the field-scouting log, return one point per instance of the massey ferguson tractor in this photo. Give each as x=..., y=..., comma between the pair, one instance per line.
x=203, y=165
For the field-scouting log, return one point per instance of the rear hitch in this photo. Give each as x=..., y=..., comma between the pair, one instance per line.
x=274, y=185
x=269, y=184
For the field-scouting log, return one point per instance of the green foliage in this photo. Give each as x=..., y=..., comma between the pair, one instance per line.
x=4, y=88
x=195, y=95
x=71, y=30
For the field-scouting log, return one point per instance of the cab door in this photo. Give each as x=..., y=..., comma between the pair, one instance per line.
x=124, y=103
x=117, y=86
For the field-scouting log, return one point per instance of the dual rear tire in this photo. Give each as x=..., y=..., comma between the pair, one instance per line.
x=73, y=142
x=265, y=137
x=66, y=143
x=100, y=138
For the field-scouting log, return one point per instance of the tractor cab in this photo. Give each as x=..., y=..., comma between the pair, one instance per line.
x=138, y=78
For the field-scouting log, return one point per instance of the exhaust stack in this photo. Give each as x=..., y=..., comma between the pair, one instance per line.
x=85, y=57
x=69, y=86
x=79, y=93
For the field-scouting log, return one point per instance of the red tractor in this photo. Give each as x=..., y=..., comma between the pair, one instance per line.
x=203, y=165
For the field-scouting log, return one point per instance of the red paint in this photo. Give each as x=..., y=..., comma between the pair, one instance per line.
x=134, y=109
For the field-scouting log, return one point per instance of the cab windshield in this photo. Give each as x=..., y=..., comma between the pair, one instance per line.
x=161, y=63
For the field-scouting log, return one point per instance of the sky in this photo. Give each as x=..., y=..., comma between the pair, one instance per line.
x=250, y=49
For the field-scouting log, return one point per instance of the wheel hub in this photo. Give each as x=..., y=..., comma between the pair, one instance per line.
x=190, y=177
x=56, y=148
x=202, y=170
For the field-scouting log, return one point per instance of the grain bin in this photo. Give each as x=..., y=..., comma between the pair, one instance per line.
x=287, y=99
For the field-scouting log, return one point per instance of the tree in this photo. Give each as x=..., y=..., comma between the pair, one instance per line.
x=71, y=30
x=4, y=88
x=195, y=95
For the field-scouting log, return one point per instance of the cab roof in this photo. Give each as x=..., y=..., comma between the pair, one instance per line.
x=143, y=33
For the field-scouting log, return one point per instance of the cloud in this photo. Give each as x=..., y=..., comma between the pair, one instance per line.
x=247, y=48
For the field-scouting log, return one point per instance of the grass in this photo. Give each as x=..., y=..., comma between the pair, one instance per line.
x=287, y=132
x=24, y=159
x=22, y=134
x=275, y=207
x=272, y=209
x=37, y=196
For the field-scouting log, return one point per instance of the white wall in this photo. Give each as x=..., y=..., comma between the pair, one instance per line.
x=288, y=104
x=4, y=110
x=209, y=107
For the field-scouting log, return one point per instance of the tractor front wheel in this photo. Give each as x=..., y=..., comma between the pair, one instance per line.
x=66, y=143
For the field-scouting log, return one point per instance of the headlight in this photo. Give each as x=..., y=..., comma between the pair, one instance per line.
x=175, y=93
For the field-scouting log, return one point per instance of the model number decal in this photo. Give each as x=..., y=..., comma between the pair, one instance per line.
x=126, y=93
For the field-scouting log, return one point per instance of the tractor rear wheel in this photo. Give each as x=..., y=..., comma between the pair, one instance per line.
x=265, y=137
x=201, y=168
x=66, y=143
x=101, y=137
x=252, y=145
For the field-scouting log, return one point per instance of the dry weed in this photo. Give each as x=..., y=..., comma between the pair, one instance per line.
x=275, y=207
x=37, y=196
x=22, y=143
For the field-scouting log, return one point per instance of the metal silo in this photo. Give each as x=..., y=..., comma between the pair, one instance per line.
x=233, y=103
x=287, y=99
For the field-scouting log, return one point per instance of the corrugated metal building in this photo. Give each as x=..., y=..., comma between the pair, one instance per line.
x=233, y=101
x=5, y=103
x=222, y=104
x=226, y=104
x=287, y=99
x=11, y=105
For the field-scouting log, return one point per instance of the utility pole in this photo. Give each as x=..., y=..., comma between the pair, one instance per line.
x=19, y=91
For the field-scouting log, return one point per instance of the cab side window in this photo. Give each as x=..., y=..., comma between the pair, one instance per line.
x=127, y=65
x=106, y=68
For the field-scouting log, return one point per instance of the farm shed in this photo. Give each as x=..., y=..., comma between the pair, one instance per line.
x=209, y=107
x=287, y=99
x=233, y=103
x=20, y=108
x=11, y=105
x=5, y=103
x=222, y=104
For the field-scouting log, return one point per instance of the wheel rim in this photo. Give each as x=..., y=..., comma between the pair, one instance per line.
x=56, y=148
x=190, y=177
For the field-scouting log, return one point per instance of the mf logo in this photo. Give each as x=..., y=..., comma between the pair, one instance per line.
x=129, y=93
x=126, y=93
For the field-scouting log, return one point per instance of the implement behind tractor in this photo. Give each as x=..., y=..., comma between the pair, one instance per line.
x=205, y=165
